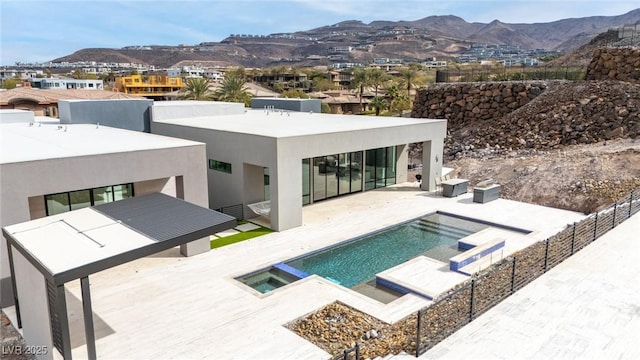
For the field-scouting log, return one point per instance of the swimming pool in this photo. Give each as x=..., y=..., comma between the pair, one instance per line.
x=357, y=261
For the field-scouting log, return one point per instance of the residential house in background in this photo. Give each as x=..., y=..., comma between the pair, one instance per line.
x=66, y=83
x=152, y=86
x=44, y=102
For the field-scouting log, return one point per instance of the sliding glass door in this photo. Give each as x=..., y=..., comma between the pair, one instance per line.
x=380, y=167
x=331, y=175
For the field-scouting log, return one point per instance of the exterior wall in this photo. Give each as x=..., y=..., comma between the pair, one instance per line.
x=166, y=186
x=85, y=172
x=184, y=109
x=34, y=308
x=402, y=160
x=431, y=162
x=133, y=114
x=301, y=105
x=236, y=149
x=16, y=116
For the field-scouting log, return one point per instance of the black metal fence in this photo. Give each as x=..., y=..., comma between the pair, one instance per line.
x=511, y=74
x=349, y=354
x=492, y=285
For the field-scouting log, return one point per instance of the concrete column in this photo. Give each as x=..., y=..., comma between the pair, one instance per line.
x=431, y=163
x=196, y=247
x=286, y=193
x=402, y=160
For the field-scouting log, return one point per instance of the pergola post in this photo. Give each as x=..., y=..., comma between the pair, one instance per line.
x=88, y=319
x=63, y=320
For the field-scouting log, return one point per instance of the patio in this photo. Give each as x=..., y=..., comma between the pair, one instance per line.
x=170, y=306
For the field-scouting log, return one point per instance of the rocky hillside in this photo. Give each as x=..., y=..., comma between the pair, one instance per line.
x=506, y=116
x=434, y=36
x=571, y=145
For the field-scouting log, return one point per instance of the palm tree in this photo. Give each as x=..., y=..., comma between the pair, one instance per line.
x=376, y=78
x=378, y=103
x=397, y=101
x=196, y=89
x=232, y=89
x=409, y=78
x=359, y=81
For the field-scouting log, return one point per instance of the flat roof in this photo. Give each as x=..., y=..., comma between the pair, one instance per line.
x=21, y=142
x=78, y=243
x=281, y=124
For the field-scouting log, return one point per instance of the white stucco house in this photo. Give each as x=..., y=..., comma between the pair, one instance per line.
x=292, y=159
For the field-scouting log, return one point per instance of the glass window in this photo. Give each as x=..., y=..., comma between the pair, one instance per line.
x=355, y=171
x=121, y=192
x=102, y=195
x=306, y=185
x=80, y=199
x=267, y=192
x=370, y=170
x=381, y=162
x=319, y=178
x=220, y=166
x=332, y=175
x=343, y=173
x=57, y=203
x=391, y=166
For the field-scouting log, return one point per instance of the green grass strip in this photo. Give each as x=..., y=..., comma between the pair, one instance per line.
x=231, y=239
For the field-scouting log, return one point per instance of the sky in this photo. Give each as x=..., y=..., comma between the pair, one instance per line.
x=42, y=30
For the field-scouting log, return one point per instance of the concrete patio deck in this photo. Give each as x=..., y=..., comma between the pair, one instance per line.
x=168, y=306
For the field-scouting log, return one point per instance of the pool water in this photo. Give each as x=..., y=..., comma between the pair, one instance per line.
x=266, y=281
x=356, y=262
x=359, y=261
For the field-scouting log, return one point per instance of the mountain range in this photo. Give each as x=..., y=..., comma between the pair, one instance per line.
x=441, y=37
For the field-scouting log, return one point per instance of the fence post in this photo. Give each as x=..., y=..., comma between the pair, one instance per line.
x=615, y=208
x=357, y=351
x=546, y=255
x=573, y=238
x=513, y=276
x=630, y=204
x=473, y=290
x=595, y=228
x=418, y=333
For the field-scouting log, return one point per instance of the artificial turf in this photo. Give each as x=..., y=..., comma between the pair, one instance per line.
x=231, y=239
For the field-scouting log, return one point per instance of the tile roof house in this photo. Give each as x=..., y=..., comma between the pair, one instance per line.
x=45, y=102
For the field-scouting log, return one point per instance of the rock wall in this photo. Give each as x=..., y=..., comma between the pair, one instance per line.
x=467, y=103
x=621, y=64
x=505, y=116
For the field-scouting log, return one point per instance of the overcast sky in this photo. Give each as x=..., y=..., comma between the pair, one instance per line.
x=42, y=30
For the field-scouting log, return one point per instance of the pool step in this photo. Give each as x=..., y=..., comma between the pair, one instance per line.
x=291, y=270
x=476, y=253
x=442, y=229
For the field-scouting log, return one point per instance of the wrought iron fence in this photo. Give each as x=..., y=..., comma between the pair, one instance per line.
x=349, y=354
